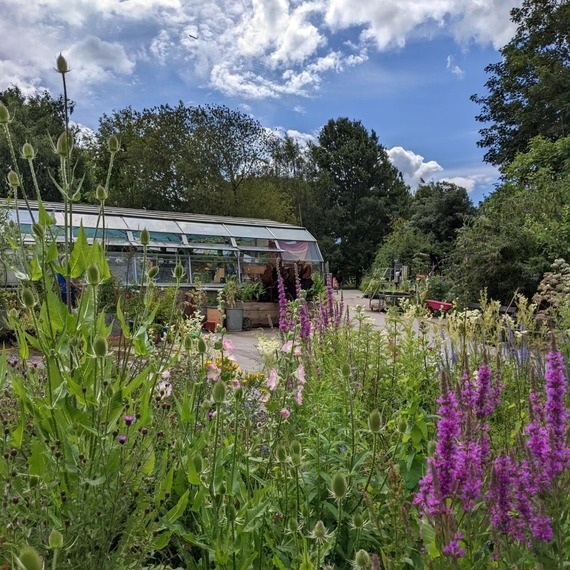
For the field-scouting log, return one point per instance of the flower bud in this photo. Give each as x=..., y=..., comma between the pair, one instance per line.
x=13, y=314
x=4, y=114
x=28, y=152
x=319, y=530
x=219, y=392
x=293, y=525
x=38, y=230
x=61, y=64
x=295, y=447
x=29, y=559
x=92, y=275
x=374, y=421
x=222, y=490
x=281, y=454
x=55, y=539
x=113, y=144
x=13, y=179
x=28, y=298
x=153, y=271
x=145, y=237
x=362, y=560
x=338, y=485
x=64, y=143
x=201, y=346
x=179, y=271
x=188, y=342
x=346, y=370
x=296, y=460
x=101, y=193
x=402, y=425
x=198, y=462
x=100, y=347
x=358, y=521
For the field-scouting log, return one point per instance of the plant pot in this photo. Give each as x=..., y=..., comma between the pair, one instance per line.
x=213, y=316
x=234, y=319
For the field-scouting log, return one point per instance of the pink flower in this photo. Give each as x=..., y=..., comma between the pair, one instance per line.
x=164, y=389
x=228, y=345
x=166, y=374
x=287, y=347
x=212, y=372
x=300, y=395
x=236, y=383
x=297, y=350
x=272, y=380
x=300, y=374
x=285, y=413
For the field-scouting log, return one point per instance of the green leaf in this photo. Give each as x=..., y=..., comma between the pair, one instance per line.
x=148, y=466
x=36, y=463
x=177, y=511
x=79, y=259
x=18, y=433
x=162, y=540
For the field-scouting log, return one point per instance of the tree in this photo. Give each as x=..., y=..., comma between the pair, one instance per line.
x=156, y=167
x=360, y=191
x=522, y=227
x=528, y=88
x=234, y=145
x=38, y=119
x=439, y=210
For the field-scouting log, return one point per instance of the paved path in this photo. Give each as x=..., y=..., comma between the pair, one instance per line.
x=245, y=342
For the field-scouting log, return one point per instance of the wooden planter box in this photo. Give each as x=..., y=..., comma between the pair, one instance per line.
x=261, y=314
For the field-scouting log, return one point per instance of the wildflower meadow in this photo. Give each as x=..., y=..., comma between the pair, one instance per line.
x=429, y=443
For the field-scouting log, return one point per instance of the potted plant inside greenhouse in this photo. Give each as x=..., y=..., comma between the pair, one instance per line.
x=231, y=297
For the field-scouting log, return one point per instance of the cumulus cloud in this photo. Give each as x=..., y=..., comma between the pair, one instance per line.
x=253, y=48
x=415, y=169
x=412, y=165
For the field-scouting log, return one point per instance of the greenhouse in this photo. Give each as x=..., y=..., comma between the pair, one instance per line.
x=210, y=248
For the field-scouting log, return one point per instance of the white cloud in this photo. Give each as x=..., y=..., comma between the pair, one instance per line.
x=454, y=68
x=415, y=169
x=252, y=48
x=412, y=166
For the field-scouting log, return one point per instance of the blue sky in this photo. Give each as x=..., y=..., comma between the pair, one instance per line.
x=405, y=68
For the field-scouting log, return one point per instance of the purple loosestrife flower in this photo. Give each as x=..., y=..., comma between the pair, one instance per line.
x=448, y=433
x=453, y=549
x=486, y=398
x=439, y=482
x=330, y=298
x=556, y=413
x=499, y=495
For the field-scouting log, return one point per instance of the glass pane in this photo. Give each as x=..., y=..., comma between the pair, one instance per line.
x=292, y=234
x=122, y=266
x=212, y=267
x=203, y=228
x=166, y=264
x=208, y=239
x=249, y=231
x=165, y=237
x=109, y=233
x=300, y=251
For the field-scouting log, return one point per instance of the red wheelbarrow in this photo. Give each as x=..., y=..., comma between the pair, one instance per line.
x=439, y=306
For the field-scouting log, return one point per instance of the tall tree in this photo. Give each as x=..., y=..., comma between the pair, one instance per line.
x=522, y=227
x=231, y=143
x=528, y=89
x=156, y=167
x=361, y=191
x=439, y=210
x=38, y=119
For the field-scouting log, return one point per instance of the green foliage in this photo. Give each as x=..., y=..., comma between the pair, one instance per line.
x=38, y=120
x=528, y=87
x=360, y=192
